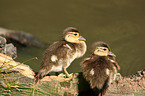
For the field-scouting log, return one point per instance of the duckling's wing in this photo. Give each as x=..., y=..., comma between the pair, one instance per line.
x=57, y=50
x=88, y=60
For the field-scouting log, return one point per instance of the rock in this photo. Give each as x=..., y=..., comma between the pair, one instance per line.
x=7, y=49
x=2, y=41
x=20, y=38
x=10, y=50
x=129, y=85
x=8, y=64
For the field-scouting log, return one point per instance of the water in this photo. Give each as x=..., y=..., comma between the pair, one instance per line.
x=120, y=23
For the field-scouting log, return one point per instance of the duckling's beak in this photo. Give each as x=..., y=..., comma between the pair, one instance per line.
x=111, y=54
x=82, y=38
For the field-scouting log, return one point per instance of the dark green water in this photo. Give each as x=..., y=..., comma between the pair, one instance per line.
x=120, y=23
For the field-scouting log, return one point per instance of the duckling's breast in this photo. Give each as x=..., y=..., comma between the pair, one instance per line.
x=56, y=68
x=71, y=58
x=80, y=50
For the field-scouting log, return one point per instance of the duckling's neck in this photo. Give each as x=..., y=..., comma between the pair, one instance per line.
x=80, y=48
x=99, y=57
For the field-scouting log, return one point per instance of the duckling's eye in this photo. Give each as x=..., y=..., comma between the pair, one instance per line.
x=104, y=49
x=75, y=34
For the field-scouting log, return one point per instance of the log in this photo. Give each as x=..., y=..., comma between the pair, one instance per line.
x=19, y=81
x=20, y=38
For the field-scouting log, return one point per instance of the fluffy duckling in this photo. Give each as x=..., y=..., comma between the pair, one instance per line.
x=100, y=68
x=59, y=55
x=111, y=56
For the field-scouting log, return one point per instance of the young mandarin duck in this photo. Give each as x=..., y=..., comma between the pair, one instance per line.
x=100, y=68
x=60, y=54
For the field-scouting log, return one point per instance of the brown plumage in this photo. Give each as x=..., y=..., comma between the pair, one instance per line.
x=60, y=54
x=110, y=56
x=100, y=68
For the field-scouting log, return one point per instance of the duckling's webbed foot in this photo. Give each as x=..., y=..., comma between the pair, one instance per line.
x=70, y=76
x=62, y=78
x=61, y=75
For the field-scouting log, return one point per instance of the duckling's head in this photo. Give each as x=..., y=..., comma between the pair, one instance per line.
x=101, y=49
x=100, y=44
x=72, y=35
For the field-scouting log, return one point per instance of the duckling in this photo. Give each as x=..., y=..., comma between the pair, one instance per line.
x=111, y=56
x=100, y=68
x=59, y=55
